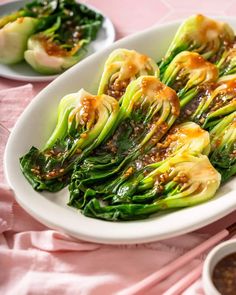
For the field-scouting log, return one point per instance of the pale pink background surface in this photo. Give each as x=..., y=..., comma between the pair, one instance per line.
x=36, y=260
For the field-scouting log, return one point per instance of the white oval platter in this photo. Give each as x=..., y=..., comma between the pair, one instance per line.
x=37, y=122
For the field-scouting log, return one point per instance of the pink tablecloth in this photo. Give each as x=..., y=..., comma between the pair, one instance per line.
x=37, y=260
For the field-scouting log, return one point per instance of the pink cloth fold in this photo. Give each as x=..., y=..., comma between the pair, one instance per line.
x=37, y=260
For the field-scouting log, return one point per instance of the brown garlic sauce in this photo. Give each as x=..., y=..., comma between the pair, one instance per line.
x=53, y=47
x=224, y=275
x=117, y=88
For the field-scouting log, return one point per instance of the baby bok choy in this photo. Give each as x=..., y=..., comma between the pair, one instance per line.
x=199, y=34
x=122, y=67
x=13, y=39
x=84, y=121
x=187, y=71
x=223, y=146
x=215, y=103
x=18, y=26
x=148, y=110
x=63, y=44
x=181, y=181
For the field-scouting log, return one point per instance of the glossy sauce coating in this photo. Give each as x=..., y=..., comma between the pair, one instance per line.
x=132, y=64
x=52, y=48
x=153, y=88
x=192, y=63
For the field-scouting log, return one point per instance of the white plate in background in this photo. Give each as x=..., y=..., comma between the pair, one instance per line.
x=37, y=122
x=23, y=71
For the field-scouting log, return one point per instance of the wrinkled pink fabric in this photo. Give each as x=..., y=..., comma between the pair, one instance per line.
x=37, y=260
x=10, y=110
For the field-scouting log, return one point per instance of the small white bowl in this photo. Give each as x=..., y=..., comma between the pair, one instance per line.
x=215, y=255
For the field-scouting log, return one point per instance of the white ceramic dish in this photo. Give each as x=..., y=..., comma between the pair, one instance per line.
x=37, y=122
x=219, y=252
x=23, y=72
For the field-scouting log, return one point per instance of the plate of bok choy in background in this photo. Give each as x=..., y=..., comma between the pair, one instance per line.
x=137, y=142
x=41, y=39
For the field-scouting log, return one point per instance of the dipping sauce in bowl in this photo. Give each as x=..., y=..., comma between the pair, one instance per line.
x=219, y=269
x=224, y=275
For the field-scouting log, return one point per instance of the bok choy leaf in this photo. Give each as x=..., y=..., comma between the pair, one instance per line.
x=84, y=122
